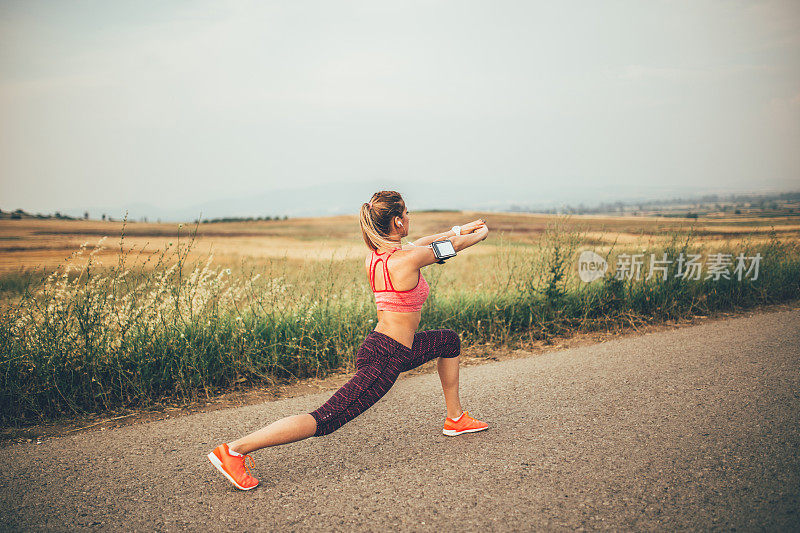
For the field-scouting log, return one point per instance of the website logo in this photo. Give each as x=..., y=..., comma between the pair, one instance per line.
x=591, y=266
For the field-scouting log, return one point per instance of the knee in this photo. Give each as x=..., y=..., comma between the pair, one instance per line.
x=453, y=343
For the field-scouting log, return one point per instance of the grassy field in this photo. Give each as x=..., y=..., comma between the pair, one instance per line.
x=154, y=312
x=46, y=243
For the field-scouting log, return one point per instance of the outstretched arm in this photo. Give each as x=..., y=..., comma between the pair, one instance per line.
x=424, y=241
x=421, y=256
x=465, y=229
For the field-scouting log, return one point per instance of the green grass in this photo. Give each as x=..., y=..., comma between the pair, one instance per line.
x=85, y=340
x=16, y=282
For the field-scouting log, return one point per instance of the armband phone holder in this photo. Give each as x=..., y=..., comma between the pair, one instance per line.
x=443, y=250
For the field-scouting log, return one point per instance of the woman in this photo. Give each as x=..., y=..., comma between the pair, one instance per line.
x=392, y=347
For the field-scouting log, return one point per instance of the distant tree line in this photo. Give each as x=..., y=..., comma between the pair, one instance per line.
x=18, y=214
x=241, y=219
x=735, y=203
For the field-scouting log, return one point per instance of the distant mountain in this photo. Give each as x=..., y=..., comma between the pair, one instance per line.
x=346, y=198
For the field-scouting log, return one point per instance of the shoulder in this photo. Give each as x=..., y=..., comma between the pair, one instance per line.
x=412, y=255
x=412, y=248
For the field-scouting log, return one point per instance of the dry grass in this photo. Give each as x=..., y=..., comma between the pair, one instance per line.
x=256, y=302
x=46, y=243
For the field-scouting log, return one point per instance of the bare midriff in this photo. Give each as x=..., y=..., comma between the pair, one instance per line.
x=399, y=326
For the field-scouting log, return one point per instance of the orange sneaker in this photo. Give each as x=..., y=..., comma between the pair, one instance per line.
x=233, y=467
x=465, y=424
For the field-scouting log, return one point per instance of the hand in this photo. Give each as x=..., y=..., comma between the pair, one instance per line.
x=472, y=226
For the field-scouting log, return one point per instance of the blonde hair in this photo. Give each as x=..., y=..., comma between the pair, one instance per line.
x=376, y=218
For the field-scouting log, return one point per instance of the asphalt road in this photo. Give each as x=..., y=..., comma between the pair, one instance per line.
x=695, y=428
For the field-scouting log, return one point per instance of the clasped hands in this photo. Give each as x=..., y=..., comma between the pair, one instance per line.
x=474, y=226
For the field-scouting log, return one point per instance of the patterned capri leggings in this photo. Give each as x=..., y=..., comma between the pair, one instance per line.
x=379, y=361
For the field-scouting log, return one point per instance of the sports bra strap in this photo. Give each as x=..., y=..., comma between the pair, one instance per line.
x=374, y=263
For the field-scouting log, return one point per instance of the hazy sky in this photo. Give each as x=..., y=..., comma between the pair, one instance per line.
x=176, y=103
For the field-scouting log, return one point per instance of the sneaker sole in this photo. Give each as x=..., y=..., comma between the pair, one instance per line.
x=216, y=462
x=453, y=432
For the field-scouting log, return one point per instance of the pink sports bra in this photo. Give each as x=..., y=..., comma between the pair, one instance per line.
x=389, y=299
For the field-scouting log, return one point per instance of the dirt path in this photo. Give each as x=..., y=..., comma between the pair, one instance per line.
x=689, y=428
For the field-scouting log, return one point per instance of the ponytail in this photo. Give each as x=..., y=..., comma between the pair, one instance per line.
x=376, y=218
